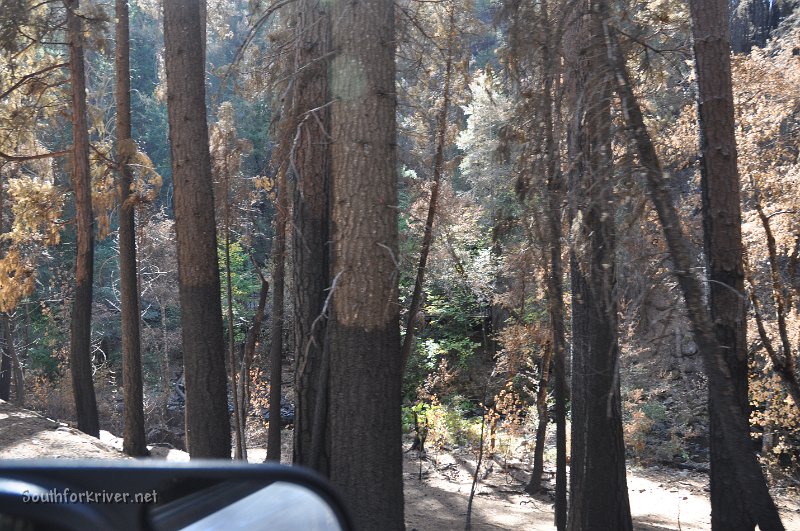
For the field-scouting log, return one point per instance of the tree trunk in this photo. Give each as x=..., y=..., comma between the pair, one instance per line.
x=239, y=449
x=311, y=232
x=600, y=493
x=11, y=367
x=438, y=168
x=80, y=358
x=554, y=278
x=250, y=343
x=166, y=372
x=535, y=482
x=134, y=442
x=276, y=334
x=208, y=431
x=364, y=331
x=722, y=235
x=733, y=425
x=5, y=355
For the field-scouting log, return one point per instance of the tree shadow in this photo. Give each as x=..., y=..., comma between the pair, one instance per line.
x=17, y=425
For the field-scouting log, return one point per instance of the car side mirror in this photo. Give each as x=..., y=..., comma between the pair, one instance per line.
x=165, y=496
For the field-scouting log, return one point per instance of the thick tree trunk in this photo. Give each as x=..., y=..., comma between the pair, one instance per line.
x=600, y=493
x=208, y=431
x=134, y=442
x=364, y=331
x=727, y=409
x=311, y=233
x=80, y=358
x=276, y=334
x=722, y=235
x=579, y=325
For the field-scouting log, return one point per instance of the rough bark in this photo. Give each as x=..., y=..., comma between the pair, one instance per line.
x=722, y=235
x=573, y=84
x=207, y=423
x=133, y=438
x=80, y=358
x=311, y=264
x=599, y=491
x=756, y=498
x=276, y=333
x=363, y=331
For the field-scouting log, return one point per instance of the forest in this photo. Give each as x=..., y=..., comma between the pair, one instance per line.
x=559, y=233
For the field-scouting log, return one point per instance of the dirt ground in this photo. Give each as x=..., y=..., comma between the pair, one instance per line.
x=660, y=498
x=437, y=485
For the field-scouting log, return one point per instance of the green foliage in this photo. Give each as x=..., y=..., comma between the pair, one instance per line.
x=452, y=332
x=244, y=286
x=445, y=424
x=44, y=356
x=655, y=411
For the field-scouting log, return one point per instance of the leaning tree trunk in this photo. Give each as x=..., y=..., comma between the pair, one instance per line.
x=134, y=442
x=208, y=432
x=722, y=235
x=438, y=169
x=80, y=358
x=363, y=330
x=736, y=437
x=250, y=344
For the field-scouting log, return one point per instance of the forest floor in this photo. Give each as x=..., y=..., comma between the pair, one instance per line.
x=437, y=484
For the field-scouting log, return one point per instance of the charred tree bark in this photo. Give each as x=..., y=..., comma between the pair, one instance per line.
x=208, y=431
x=722, y=235
x=276, y=334
x=364, y=331
x=80, y=358
x=133, y=438
x=311, y=231
x=727, y=411
x=599, y=490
